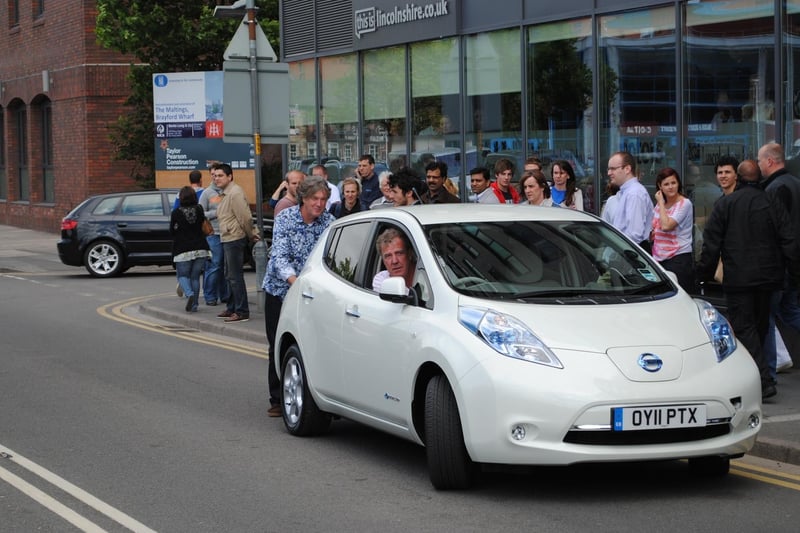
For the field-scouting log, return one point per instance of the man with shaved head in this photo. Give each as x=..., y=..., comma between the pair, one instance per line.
x=785, y=188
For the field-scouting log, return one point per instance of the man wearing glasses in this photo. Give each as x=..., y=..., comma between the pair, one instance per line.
x=634, y=208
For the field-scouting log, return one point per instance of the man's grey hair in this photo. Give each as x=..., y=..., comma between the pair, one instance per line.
x=311, y=186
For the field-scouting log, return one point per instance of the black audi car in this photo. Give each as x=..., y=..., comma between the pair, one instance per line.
x=110, y=233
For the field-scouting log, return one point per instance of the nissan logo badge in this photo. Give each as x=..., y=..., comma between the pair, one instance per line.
x=650, y=362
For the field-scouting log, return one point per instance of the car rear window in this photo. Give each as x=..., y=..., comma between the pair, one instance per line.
x=107, y=206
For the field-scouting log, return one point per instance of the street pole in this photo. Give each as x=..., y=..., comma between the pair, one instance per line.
x=251, y=31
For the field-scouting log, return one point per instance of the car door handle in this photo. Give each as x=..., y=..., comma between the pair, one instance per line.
x=352, y=311
x=122, y=224
x=307, y=295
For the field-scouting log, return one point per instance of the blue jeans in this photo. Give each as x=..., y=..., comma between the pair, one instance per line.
x=784, y=306
x=215, y=287
x=189, y=276
x=234, y=274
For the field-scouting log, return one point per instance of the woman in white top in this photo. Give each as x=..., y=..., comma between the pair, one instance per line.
x=564, y=192
x=533, y=186
x=672, y=227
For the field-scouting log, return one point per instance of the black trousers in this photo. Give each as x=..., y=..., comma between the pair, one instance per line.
x=748, y=311
x=272, y=311
x=683, y=267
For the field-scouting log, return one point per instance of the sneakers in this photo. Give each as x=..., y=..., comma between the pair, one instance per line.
x=236, y=318
x=225, y=314
x=191, y=303
x=783, y=367
x=211, y=302
x=274, y=411
x=179, y=291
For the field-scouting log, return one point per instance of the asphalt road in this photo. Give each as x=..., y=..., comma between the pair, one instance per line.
x=109, y=424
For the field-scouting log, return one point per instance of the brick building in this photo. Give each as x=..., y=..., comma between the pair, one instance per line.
x=59, y=93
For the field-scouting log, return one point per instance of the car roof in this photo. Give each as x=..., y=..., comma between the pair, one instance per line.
x=129, y=193
x=456, y=213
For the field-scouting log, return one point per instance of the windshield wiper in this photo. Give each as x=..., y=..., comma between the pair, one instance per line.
x=563, y=293
x=649, y=288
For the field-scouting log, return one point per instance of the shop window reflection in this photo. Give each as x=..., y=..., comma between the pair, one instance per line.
x=560, y=99
x=384, y=133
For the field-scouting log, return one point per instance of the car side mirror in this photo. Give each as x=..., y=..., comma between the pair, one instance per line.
x=393, y=289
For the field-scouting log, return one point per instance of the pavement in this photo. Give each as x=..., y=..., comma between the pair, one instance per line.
x=779, y=439
x=27, y=251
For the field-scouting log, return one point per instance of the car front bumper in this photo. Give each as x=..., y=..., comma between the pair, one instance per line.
x=515, y=412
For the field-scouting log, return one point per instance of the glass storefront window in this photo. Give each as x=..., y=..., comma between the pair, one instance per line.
x=435, y=105
x=791, y=97
x=493, y=119
x=384, y=135
x=302, y=114
x=338, y=114
x=729, y=89
x=638, y=90
x=560, y=99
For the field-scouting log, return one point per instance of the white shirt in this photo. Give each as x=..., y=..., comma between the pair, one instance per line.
x=335, y=196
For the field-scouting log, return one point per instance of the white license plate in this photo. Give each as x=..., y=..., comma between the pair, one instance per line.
x=658, y=417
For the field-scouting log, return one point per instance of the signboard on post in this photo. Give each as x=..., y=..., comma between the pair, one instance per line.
x=189, y=128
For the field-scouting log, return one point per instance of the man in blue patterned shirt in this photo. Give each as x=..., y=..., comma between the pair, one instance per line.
x=295, y=232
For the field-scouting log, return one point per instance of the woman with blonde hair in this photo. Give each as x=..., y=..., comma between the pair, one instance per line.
x=351, y=192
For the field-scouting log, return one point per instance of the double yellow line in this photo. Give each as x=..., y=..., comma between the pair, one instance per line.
x=765, y=475
x=115, y=311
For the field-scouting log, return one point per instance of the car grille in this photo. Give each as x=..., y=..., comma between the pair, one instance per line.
x=648, y=436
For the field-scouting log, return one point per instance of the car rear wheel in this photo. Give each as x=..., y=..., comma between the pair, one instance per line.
x=449, y=464
x=712, y=466
x=301, y=416
x=103, y=259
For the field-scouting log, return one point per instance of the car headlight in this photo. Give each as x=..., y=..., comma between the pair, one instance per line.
x=507, y=336
x=718, y=328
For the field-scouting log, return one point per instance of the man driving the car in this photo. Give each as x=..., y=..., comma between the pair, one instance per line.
x=398, y=258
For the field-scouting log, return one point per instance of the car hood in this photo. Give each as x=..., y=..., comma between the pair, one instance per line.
x=673, y=322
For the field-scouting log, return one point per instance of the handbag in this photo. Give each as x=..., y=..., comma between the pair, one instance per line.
x=208, y=229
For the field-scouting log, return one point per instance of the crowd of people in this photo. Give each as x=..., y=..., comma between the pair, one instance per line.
x=747, y=242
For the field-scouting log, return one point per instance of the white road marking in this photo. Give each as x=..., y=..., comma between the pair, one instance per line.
x=47, y=501
x=76, y=492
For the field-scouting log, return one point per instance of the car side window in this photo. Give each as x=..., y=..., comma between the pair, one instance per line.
x=142, y=205
x=107, y=206
x=344, y=251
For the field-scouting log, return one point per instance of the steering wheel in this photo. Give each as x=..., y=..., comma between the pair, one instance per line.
x=463, y=283
x=619, y=279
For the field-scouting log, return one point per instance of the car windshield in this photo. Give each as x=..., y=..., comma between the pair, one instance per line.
x=555, y=262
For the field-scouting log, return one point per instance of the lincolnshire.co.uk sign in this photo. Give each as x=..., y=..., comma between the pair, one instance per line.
x=379, y=23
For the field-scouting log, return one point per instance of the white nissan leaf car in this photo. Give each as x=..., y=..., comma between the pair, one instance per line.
x=519, y=336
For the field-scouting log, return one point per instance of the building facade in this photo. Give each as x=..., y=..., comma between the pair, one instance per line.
x=676, y=83
x=59, y=93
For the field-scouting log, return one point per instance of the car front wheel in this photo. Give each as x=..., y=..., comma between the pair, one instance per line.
x=449, y=464
x=301, y=416
x=103, y=259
